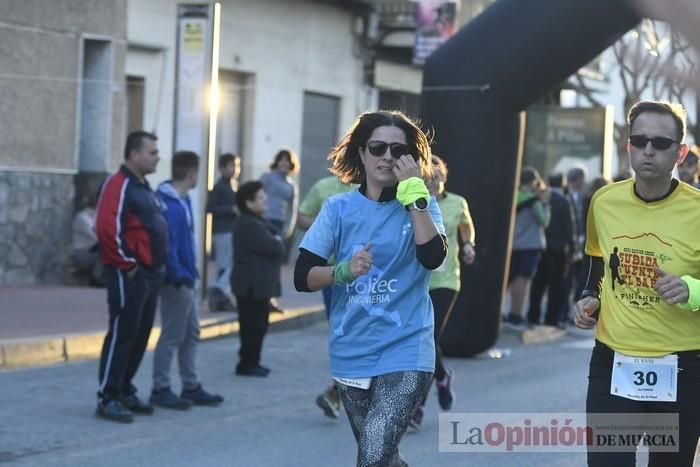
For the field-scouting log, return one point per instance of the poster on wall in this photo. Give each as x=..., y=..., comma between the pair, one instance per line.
x=435, y=23
x=192, y=78
x=557, y=139
x=191, y=112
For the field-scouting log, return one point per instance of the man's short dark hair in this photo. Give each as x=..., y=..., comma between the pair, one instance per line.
x=226, y=159
x=556, y=180
x=676, y=111
x=183, y=163
x=575, y=174
x=134, y=142
x=247, y=192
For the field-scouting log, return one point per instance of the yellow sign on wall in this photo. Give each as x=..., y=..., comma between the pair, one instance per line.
x=193, y=37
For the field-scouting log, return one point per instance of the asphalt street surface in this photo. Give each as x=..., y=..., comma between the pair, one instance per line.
x=48, y=416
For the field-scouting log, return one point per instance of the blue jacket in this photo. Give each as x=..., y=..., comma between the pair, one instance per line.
x=181, y=267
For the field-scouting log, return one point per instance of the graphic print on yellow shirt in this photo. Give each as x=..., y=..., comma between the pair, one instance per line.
x=634, y=238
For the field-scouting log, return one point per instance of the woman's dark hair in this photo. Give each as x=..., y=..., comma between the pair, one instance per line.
x=247, y=192
x=345, y=157
x=530, y=175
x=290, y=156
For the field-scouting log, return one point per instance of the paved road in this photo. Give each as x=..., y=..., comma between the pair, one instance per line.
x=47, y=413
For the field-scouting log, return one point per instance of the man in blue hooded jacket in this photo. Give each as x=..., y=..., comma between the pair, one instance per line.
x=178, y=309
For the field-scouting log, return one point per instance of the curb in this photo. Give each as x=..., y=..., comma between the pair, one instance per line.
x=47, y=350
x=541, y=334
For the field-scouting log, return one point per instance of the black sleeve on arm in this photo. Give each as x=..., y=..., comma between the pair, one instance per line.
x=305, y=261
x=594, y=280
x=432, y=253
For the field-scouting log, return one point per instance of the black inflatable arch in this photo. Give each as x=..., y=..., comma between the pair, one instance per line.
x=474, y=88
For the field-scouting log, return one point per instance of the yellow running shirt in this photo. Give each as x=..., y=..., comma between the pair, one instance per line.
x=632, y=237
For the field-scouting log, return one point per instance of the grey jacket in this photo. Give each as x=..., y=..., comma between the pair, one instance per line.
x=529, y=232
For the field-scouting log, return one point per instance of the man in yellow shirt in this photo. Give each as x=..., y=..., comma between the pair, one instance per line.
x=644, y=233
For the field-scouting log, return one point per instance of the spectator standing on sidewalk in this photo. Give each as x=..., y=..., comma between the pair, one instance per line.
x=445, y=281
x=386, y=238
x=86, y=251
x=329, y=399
x=258, y=252
x=282, y=198
x=532, y=217
x=595, y=185
x=221, y=204
x=688, y=169
x=643, y=233
x=133, y=238
x=555, y=261
x=179, y=314
x=576, y=192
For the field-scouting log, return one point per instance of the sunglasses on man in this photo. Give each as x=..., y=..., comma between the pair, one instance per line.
x=657, y=142
x=378, y=149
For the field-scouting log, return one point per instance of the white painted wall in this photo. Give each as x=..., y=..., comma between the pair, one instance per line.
x=151, y=35
x=285, y=46
x=290, y=47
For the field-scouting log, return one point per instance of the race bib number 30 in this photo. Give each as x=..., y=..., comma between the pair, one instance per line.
x=645, y=378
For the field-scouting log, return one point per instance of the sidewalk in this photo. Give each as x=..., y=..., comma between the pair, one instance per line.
x=48, y=324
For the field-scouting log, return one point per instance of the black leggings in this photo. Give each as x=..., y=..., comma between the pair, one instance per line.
x=379, y=415
x=687, y=405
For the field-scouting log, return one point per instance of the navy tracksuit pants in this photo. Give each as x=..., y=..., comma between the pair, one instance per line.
x=132, y=308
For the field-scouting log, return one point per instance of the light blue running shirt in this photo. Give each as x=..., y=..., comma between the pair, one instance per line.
x=383, y=321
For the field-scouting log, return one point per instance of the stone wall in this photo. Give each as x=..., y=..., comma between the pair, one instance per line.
x=36, y=210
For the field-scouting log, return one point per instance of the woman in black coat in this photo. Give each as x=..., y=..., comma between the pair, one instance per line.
x=258, y=252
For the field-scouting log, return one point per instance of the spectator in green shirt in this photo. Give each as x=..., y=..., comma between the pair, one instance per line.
x=318, y=193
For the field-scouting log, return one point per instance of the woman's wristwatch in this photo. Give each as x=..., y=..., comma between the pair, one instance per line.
x=421, y=205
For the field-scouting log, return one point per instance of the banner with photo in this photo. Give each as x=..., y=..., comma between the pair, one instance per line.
x=435, y=23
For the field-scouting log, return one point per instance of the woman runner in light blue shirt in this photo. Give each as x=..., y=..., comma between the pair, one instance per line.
x=386, y=237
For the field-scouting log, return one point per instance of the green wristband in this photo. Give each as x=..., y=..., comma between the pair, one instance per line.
x=410, y=190
x=693, y=302
x=342, y=274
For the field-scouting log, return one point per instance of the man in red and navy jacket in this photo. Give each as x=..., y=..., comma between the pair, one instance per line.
x=133, y=240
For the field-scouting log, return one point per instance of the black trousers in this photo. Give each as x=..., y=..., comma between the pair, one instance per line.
x=253, y=317
x=132, y=308
x=687, y=406
x=550, y=276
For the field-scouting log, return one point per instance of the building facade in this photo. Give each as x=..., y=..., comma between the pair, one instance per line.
x=61, y=114
x=79, y=75
x=82, y=74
